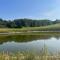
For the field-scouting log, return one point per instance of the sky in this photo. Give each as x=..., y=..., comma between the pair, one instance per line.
x=33, y=9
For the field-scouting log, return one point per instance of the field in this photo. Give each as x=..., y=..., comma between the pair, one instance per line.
x=49, y=28
x=54, y=27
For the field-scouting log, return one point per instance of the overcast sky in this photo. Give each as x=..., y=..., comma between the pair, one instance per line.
x=36, y=9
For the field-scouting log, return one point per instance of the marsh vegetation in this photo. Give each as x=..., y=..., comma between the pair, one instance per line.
x=30, y=47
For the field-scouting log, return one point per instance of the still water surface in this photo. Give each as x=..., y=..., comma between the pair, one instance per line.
x=29, y=43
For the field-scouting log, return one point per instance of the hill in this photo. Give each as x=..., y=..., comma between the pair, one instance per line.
x=54, y=27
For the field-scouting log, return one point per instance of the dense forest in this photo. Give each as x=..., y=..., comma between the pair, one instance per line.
x=19, y=23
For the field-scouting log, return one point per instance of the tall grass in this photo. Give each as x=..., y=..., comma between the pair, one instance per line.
x=55, y=27
x=26, y=56
x=30, y=56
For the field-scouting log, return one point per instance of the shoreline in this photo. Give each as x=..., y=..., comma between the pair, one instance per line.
x=29, y=32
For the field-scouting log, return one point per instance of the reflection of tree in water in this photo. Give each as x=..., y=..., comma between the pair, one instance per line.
x=22, y=38
x=57, y=37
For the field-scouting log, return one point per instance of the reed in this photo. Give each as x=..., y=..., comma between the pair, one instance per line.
x=29, y=56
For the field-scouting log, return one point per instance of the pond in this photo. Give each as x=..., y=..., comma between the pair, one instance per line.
x=31, y=43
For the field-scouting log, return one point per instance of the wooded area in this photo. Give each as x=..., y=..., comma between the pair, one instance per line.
x=19, y=23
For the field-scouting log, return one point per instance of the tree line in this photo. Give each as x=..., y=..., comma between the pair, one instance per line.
x=19, y=23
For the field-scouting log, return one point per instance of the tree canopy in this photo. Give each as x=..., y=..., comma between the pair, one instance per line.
x=19, y=23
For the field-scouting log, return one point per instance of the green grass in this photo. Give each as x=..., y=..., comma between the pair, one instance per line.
x=43, y=28
x=55, y=27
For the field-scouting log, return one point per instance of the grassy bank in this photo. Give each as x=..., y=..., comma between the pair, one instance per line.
x=50, y=29
x=30, y=33
x=44, y=54
x=55, y=27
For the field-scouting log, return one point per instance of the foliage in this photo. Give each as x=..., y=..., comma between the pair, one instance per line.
x=19, y=23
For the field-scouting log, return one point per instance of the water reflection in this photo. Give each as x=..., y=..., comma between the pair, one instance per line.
x=14, y=43
x=22, y=38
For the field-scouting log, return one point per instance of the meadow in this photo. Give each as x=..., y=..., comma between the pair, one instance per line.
x=49, y=28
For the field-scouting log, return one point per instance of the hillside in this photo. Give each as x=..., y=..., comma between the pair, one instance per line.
x=54, y=27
